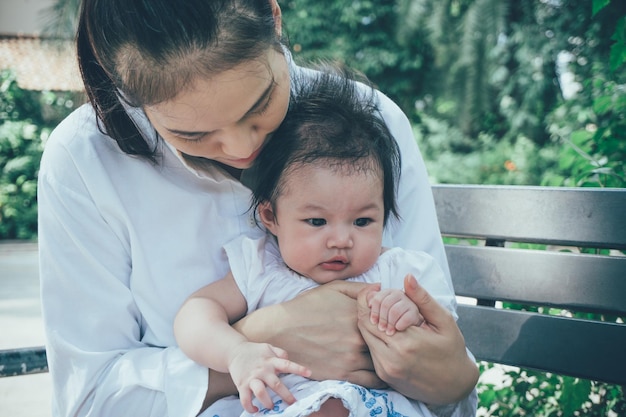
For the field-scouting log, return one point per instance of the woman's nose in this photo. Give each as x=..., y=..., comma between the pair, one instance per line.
x=241, y=143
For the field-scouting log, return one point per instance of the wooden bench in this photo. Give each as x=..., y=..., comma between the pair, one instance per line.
x=23, y=361
x=493, y=272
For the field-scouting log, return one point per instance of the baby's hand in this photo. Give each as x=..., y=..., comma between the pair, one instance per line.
x=392, y=310
x=254, y=367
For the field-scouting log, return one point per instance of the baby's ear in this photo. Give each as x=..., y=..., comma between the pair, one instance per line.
x=267, y=217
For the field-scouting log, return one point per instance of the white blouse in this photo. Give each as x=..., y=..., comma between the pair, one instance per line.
x=123, y=242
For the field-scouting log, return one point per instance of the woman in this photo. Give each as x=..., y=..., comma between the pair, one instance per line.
x=137, y=198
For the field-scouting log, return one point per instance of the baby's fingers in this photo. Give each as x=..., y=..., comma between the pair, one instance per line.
x=408, y=319
x=281, y=353
x=374, y=298
x=260, y=392
x=245, y=397
x=285, y=366
x=282, y=391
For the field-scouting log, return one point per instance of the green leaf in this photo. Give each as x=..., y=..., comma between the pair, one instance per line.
x=618, y=56
x=599, y=5
x=488, y=397
x=574, y=393
x=581, y=137
x=602, y=105
x=620, y=31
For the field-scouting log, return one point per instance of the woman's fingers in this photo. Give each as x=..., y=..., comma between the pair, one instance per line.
x=433, y=313
x=349, y=288
x=367, y=379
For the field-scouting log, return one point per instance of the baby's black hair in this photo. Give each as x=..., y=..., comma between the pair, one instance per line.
x=332, y=120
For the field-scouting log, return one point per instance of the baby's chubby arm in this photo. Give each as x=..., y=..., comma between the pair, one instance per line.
x=203, y=332
x=392, y=310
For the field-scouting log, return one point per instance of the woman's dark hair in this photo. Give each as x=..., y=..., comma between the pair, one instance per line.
x=144, y=52
x=334, y=122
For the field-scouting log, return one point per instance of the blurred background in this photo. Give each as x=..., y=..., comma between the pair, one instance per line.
x=498, y=91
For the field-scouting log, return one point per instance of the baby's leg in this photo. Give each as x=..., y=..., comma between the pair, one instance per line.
x=333, y=407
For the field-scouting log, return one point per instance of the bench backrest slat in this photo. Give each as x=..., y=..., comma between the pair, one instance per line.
x=564, y=280
x=579, y=348
x=564, y=216
x=493, y=272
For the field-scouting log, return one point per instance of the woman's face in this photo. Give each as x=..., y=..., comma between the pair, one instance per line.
x=228, y=117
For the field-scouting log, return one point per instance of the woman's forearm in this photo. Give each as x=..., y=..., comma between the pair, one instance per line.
x=318, y=330
x=445, y=381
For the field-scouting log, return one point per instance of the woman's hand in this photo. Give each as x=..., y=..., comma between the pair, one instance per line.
x=318, y=330
x=428, y=363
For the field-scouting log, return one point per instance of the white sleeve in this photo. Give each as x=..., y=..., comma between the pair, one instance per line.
x=98, y=363
x=246, y=261
x=418, y=228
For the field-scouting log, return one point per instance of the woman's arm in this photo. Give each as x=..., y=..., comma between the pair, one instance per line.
x=98, y=362
x=318, y=330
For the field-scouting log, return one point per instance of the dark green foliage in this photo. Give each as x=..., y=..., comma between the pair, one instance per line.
x=26, y=119
x=361, y=34
x=523, y=92
x=523, y=392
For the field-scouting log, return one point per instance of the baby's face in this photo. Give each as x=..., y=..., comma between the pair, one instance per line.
x=329, y=222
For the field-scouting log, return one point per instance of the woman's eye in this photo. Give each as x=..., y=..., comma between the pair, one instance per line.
x=263, y=109
x=194, y=138
x=316, y=222
x=362, y=222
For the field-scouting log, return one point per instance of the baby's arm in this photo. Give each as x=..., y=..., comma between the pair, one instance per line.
x=392, y=310
x=203, y=332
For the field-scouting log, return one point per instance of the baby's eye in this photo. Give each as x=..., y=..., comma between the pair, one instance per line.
x=362, y=222
x=316, y=222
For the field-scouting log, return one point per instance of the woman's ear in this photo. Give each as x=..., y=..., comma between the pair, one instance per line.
x=278, y=19
x=267, y=216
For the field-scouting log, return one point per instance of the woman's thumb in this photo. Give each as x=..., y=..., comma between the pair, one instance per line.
x=429, y=308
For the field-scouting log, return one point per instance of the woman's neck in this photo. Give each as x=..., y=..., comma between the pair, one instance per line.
x=234, y=172
x=197, y=162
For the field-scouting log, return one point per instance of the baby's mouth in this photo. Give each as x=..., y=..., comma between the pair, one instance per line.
x=337, y=263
